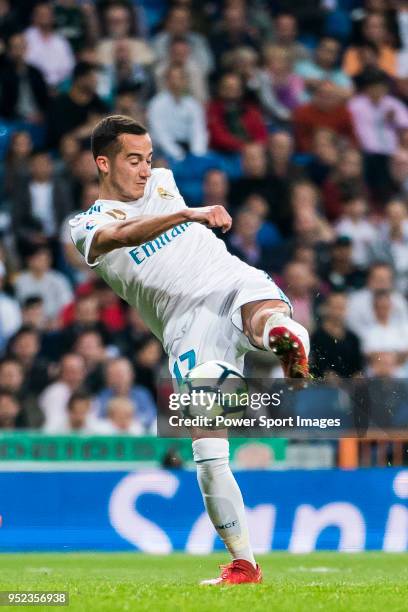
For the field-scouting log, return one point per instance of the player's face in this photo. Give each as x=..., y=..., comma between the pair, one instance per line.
x=129, y=169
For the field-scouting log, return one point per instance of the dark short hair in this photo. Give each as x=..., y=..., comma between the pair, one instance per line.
x=104, y=139
x=329, y=37
x=10, y=359
x=370, y=77
x=24, y=329
x=342, y=241
x=79, y=396
x=83, y=69
x=32, y=300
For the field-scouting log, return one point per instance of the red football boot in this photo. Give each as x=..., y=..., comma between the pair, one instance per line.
x=239, y=571
x=287, y=340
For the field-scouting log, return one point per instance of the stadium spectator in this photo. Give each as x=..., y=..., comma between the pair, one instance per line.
x=122, y=418
x=268, y=236
x=124, y=72
x=24, y=94
x=12, y=380
x=344, y=181
x=83, y=171
x=384, y=366
x=304, y=196
x=111, y=307
x=147, y=359
x=280, y=150
x=305, y=254
x=81, y=315
x=24, y=346
x=68, y=152
x=8, y=19
x=279, y=89
x=311, y=229
x=33, y=314
x=354, y=224
x=300, y=285
x=377, y=118
x=324, y=156
x=54, y=399
x=335, y=348
x=216, y=188
x=387, y=396
x=91, y=347
x=127, y=103
x=120, y=382
x=40, y=280
x=47, y=50
x=324, y=67
x=232, y=32
x=401, y=22
x=176, y=119
x=360, y=311
x=399, y=172
x=16, y=163
x=78, y=415
x=10, y=313
x=392, y=243
x=180, y=55
x=386, y=334
x=134, y=332
x=9, y=410
x=71, y=22
x=256, y=180
x=374, y=30
x=285, y=34
x=325, y=110
x=243, y=240
x=178, y=23
x=232, y=121
x=244, y=62
x=41, y=202
x=76, y=112
x=119, y=24
x=340, y=272
x=368, y=56
x=11, y=375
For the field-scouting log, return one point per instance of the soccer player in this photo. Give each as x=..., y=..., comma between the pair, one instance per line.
x=198, y=299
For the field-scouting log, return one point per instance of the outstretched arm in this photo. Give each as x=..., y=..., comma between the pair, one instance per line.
x=133, y=232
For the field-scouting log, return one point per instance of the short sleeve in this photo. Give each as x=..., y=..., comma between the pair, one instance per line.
x=83, y=229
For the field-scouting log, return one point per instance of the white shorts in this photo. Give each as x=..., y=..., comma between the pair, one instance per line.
x=213, y=329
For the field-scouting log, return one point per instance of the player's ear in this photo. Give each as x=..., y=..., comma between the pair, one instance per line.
x=102, y=161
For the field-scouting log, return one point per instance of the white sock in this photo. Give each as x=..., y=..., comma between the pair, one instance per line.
x=222, y=496
x=278, y=319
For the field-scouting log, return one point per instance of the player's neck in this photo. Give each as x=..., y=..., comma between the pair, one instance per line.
x=109, y=192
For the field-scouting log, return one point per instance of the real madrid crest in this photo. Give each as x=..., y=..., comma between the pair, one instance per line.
x=163, y=193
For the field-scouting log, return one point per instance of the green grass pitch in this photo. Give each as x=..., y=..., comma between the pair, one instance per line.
x=111, y=582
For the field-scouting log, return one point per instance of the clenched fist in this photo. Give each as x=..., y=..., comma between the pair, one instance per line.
x=210, y=216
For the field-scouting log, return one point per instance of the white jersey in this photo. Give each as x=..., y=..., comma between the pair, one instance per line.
x=169, y=276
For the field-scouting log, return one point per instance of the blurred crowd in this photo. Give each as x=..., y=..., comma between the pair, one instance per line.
x=293, y=115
